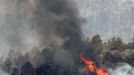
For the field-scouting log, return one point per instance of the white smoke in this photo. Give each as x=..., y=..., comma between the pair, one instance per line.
x=14, y=30
x=3, y=73
x=123, y=69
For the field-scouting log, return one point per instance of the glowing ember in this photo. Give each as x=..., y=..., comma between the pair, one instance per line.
x=91, y=66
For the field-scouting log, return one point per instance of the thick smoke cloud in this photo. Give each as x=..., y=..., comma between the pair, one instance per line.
x=41, y=37
x=29, y=24
x=57, y=23
x=40, y=31
x=57, y=20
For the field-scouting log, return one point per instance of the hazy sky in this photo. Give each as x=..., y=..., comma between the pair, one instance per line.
x=108, y=18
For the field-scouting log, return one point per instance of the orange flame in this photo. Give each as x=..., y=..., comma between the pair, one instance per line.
x=91, y=66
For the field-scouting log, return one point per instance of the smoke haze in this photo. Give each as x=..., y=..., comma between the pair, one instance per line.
x=40, y=32
x=124, y=69
x=48, y=30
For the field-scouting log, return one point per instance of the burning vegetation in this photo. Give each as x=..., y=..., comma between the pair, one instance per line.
x=91, y=66
x=45, y=38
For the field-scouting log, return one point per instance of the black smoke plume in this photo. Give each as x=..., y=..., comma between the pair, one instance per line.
x=54, y=28
x=57, y=19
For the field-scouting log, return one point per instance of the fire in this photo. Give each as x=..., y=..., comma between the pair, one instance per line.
x=91, y=66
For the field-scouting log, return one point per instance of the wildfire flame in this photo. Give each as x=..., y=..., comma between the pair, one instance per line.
x=91, y=66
